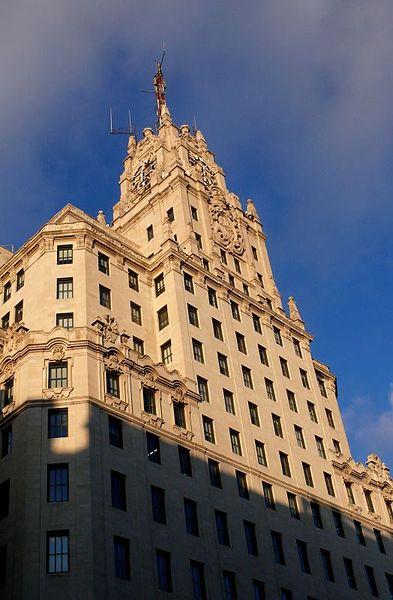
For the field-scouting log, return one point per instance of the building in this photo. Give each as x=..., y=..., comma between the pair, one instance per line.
x=165, y=430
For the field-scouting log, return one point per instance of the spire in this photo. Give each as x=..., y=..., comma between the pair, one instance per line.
x=159, y=91
x=294, y=313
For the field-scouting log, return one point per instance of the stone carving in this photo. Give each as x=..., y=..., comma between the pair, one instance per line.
x=58, y=352
x=203, y=168
x=13, y=337
x=149, y=378
x=150, y=419
x=375, y=464
x=251, y=211
x=226, y=229
x=183, y=433
x=108, y=327
x=56, y=393
x=114, y=362
x=116, y=402
x=7, y=371
x=141, y=179
x=101, y=217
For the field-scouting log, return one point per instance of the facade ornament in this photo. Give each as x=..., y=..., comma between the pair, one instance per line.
x=149, y=377
x=14, y=336
x=116, y=402
x=101, y=217
x=7, y=370
x=183, y=433
x=150, y=419
x=114, y=361
x=108, y=327
x=226, y=228
x=375, y=464
x=57, y=393
x=251, y=211
x=58, y=352
x=294, y=313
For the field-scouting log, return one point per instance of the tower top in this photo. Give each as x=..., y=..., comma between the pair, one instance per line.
x=160, y=89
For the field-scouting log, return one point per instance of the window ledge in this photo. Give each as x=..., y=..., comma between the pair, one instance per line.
x=184, y=433
x=115, y=402
x=53, y=393
x=151, y=419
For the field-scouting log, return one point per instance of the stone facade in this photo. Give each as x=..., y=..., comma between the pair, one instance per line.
x=156, y=351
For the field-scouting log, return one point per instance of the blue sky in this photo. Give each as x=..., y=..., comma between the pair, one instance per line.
x=294, y=97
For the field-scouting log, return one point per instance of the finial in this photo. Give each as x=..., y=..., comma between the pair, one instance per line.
x=294, y=313
x=251, y=211
x=160, y=91
x=101, y=217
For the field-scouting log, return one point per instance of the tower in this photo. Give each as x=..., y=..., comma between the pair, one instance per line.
x=164, y=426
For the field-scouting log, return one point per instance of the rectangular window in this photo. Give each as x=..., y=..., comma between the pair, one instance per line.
x=254, y=416
x=112, y=383
x=369, y=501
x=231, y=280
x=198, y=238
x=136, y=313
x=304, y=378
x=65, y=320
x=58, y=375
x=303, y=556
x=185, y=461
x=359, y=532
x=188, y=283
x=118, y=490
x=329, y=484
x=229, y=585
x=287, y=595
x=268, y=495
x=277, y=426
x=320, y=446
x=57, y=423
x=223, y=256
x=263, y=355
x=293, y=507
x=277, y=336
x=241, y=342
x=64, y=255
x=57, y=483
x=237, y=265
x=260, y=452
x=150, y=233
x=312, y=412
x=251, y=538
x=20, y=279
x=350, y=573
x=337, y=446
x=278, y=549
x=19, y=312
x=7, y=292
x=149, y=400
x=57, y=552
x=198, y=580
x=194, y=213
x=327, y=565
x=258, y=589
x=321, y=385
x=166, y=353
x=164, y=572
x=307, y=474
x=197, y=349
x=179, y=415
x=292, y=401
x=214, y=473
x=163, y=317
x=247, y=377
x=222, y=528
x=153, y=447
x=246, y=289
x=254, y=253
x=297, y=348
x=235, y=442
x=270, y=390
x=115, y=429
x=191, y=516
x=329, y=416
x=103, y=263
x=5, y=321
x=379, y=540
x=242, y=487
x=3, y=566
x=208, y=429
x=316, y=515
x=299, y=436
x=371, y=581
x=193, y=315
x=133, y=280
x=217, y=329
x=121, y=554
x=4, y=498
x=138, y=346
x=389, y=509
x=389, y=581
x=284, y=460
x=284, y=367
x=64, y=288
x=203, y=389
x=229, y=402
x=338, y=523
x=159, y=284
x=212, y=295
x=260, y=279
x=8, y=391
x=235, y=310
x=223, y=364
x=170, y=214
x=256, y=321
x=6, y=441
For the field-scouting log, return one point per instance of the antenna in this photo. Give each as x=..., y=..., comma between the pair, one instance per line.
x=159, y=85
x=195, y=125
x=10, y=246
x=121, y=130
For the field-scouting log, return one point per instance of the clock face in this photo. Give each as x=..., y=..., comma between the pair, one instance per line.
x=141, y=178
x=207, y=174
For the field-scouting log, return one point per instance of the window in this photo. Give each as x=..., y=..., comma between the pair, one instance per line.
x=286, y=594
x=8, y=391
x=247, y=377
x=284, y=460
x=263, y=355
x=153, y=447
x=246, y=289
x=193, y=315
x=198, y=580
x=217, y=329
x=337, y=446
x=58, y=375
x=223, y=256
x=197, y=351
x=268, y=495
x=235, y=442
x=118, y=490
x=299, y=436
x=270, y=390
x=203, y=389
x=371, y=581
x=241, y=342
x=284, y=367
x=307, y=474
x=112, y=384
x=57, y=423
x=329, y=484
x=64, y=255
x=188, y=283
x=257, y=324
x=389, y=509
x=321, y=385
x=19, y=312
x=389, y=581
x=136, y=313
x=57, y=483
x=57, y=552
x=350, y=573
x=254, y=253
x=65, y=320
x=379, y=540
x=242, y=487
x=260, y=452
x=7, y=292
x=292, y=401
x=214, y=473
x=277, y=336
x=297, y=348
x=359, y=532
x=3, y=566
x=254, y=417
x=164, y=574
x=163, y=318
x=133, y=280
x=293, y=507
x=303, y=556
x=149, y=400
x=159, y=284
x=277, y=425
x=194, y=213
x=20, y=279
x=229, y=402
x=191, y=516
x=278, y=549
x=329, y=416
x=235, y=310
x=260, y=279
x=222, y=528
x=231, y=280
x=138, y=346
x=198, y=238
x=212, y=295
x=64, y=288
x=4, y=498
x=223, y=364
x=166, y=353
x=208, y=429
x=121, y=553
x=103, y=263
x=115, y=429
x=170, y=214
x=320, y=446
x=304, y=378
x=179, y=415
x=5, y=321
x=338, y=523
x=327, y=565
x=237, y=265
x=6, y=441
x=312, y=412
x=229, y=585
x=150, y=233
x=316, y=515
x=369, y=501
x=251, y=538
x=185, y=461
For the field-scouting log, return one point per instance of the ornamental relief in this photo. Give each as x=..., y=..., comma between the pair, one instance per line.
x=115, y=402
x=115, y=362
x=226, y=228
x=150, y=419
x=108, y=327
x=57, y=393
x=183, y=433
x=7, y=371
x=13, y=338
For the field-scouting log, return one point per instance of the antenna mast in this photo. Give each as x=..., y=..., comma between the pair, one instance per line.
x=160, y=87
x=121, y=130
